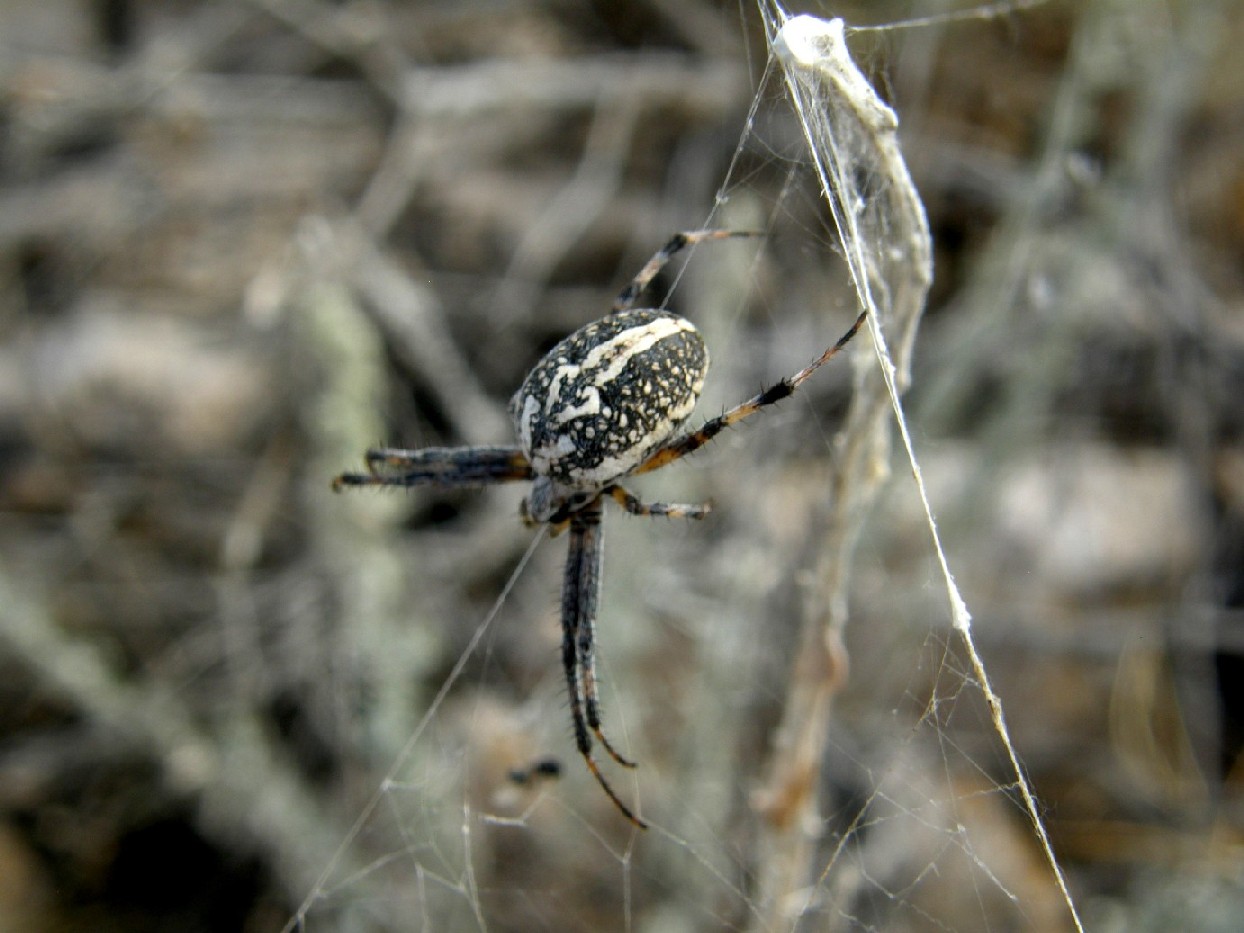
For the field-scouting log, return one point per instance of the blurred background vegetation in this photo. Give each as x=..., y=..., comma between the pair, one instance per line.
x=242, y=241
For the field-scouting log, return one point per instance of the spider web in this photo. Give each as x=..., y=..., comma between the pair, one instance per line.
x=769, y=810
x=247, y=241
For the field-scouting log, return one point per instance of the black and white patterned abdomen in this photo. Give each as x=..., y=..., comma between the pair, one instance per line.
x=608, y=395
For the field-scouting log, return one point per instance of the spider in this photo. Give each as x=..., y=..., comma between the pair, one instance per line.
x=607, y=402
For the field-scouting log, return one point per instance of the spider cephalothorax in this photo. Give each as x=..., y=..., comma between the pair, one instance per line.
x=607, y=402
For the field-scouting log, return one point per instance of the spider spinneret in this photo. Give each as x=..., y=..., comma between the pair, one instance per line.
x=606, y=402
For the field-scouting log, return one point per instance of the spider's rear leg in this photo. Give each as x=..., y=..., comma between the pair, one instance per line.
x=678, y=241
x=690, y=443
x=634, y=506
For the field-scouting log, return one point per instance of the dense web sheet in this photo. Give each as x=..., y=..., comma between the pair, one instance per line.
x=852, y=135
x=819, y=833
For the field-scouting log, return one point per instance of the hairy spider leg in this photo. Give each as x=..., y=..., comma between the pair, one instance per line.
x=634, y=506
x=439, y=466
x=678, y=241
x=580, y=594
x=690, y=443
x=589, y=586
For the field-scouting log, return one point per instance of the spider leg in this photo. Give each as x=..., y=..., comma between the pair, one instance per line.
x=690, y=443
x=580, y=594
x=634, y=506
x=439, y=466
x=677, y=242
x=588, y=587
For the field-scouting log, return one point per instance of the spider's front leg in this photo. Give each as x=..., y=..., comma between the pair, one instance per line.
x=439, y=466
x=580, y=597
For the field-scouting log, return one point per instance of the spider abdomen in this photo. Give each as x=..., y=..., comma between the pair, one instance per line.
x=608, y=395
